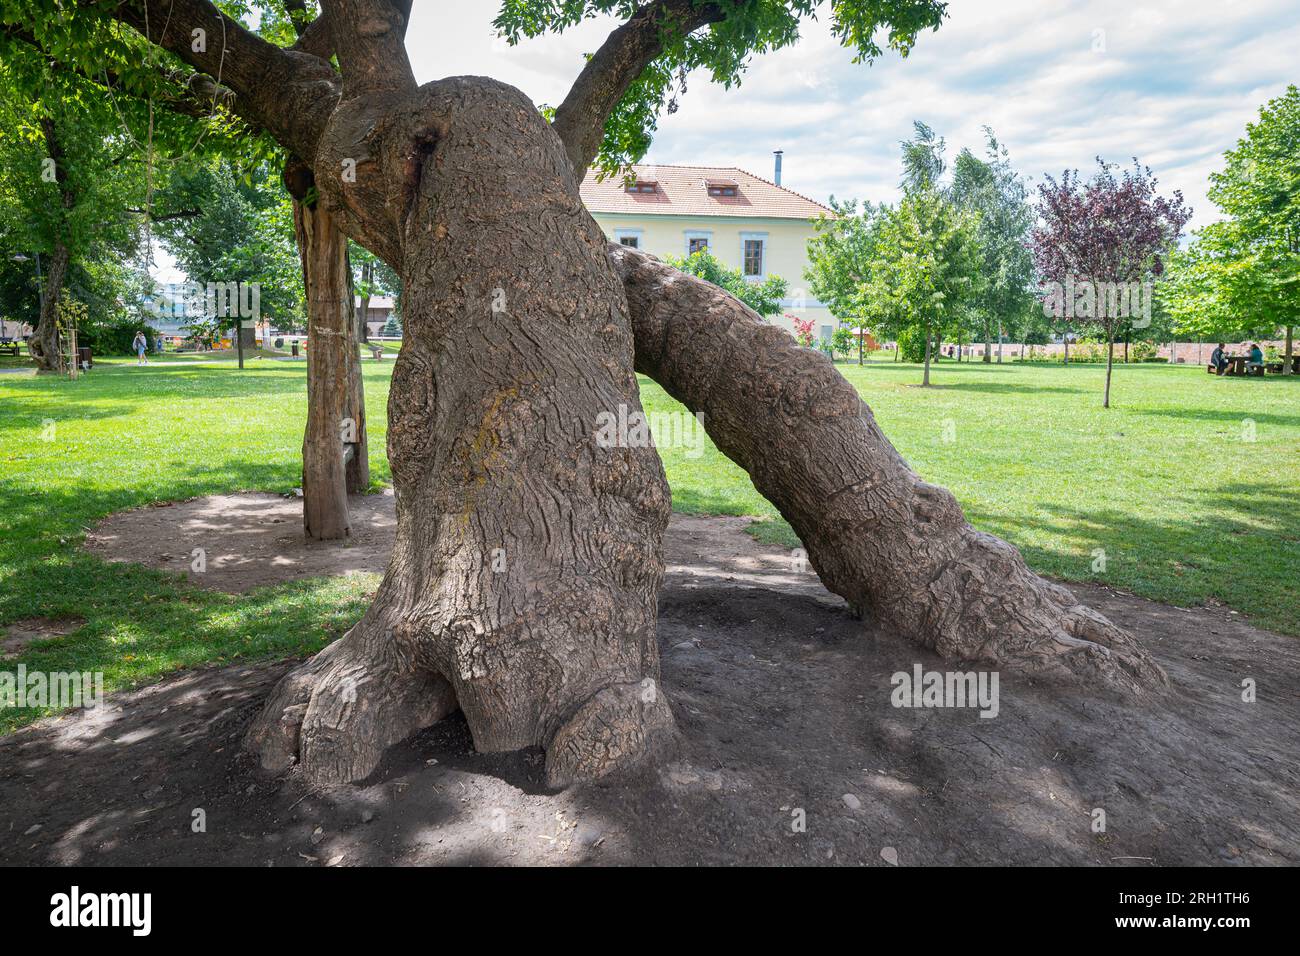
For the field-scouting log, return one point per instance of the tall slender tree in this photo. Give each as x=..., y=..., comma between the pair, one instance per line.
x=991, y=188
x=930, y=265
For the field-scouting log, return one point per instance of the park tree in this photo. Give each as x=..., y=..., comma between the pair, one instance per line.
x=845, y=271
x=1100, y=244
x=523, y=580
x=997, y=194
x=67, y=184
x=930, y=265
x=1225, y=288
x=175, y=115
x=240, y=231
x=1241, y=278
x=764, y=296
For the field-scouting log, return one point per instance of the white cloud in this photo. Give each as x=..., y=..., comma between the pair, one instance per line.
x=1173, y=84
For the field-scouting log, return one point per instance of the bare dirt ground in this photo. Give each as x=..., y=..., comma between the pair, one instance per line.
x=21, y=633
x=783, y=701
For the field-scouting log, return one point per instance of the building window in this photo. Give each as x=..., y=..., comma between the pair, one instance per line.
x=721, y=187
x=698, y=240
x=753, y=254
x=640, y=187
x=628, y=237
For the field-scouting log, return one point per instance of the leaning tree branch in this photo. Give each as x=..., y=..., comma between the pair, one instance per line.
x=317, y=39
x=314, y=36
x=288, y=92
x=894, y=546
x=373, y=59
x=580, y=119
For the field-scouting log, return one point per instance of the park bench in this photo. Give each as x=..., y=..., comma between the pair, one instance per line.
x=10, y=347
x=1236, y=365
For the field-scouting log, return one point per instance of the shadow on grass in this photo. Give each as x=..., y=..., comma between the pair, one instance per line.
x=1005, y=388
x=1222, y=416
x=1244, y=559
x=141, y=623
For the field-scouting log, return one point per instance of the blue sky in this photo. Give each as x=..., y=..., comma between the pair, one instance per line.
x=1060, y=82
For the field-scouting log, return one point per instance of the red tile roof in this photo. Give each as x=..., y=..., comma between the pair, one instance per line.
x=683, y=191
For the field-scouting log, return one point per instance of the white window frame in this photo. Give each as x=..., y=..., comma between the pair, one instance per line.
x=637, y=234
x=758, y=237
x=705, y=234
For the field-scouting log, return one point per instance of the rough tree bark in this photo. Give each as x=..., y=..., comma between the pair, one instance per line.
x=357, y=470
x=44, y=343
x=894, y=546
x=330, y=368
x=523, y=581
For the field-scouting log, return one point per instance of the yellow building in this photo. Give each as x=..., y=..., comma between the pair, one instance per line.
x=748, y=223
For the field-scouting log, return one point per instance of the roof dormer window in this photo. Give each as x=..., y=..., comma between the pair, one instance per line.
x=722, y=187
x=641, y=186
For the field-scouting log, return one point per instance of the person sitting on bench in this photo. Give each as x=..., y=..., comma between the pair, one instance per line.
x=1256, y=359
x=1219, y=360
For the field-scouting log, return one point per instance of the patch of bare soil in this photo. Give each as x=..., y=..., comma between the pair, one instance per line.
x=783, y=700
x=247, y=540
x=21, y=633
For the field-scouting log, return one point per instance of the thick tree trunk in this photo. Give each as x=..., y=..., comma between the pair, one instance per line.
x=363, y=306
x=925, y=379
x=330, y=319
x=357, y=470
x=524, y=576
x=44, y=343
x=1110, y=364
x=1286, y=359
x=894, y=546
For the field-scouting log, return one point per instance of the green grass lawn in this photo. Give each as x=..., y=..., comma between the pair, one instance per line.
x=1185, y=508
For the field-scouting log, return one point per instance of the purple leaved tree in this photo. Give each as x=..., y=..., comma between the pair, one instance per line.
x=1099, y=245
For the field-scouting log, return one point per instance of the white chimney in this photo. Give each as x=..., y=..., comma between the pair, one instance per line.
x=777, y=153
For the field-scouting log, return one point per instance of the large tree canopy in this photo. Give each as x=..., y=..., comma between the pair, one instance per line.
x=523, y=580
x=1241, y=277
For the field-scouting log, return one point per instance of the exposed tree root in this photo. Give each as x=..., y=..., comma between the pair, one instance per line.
x=618, y=727
x=337, y=713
